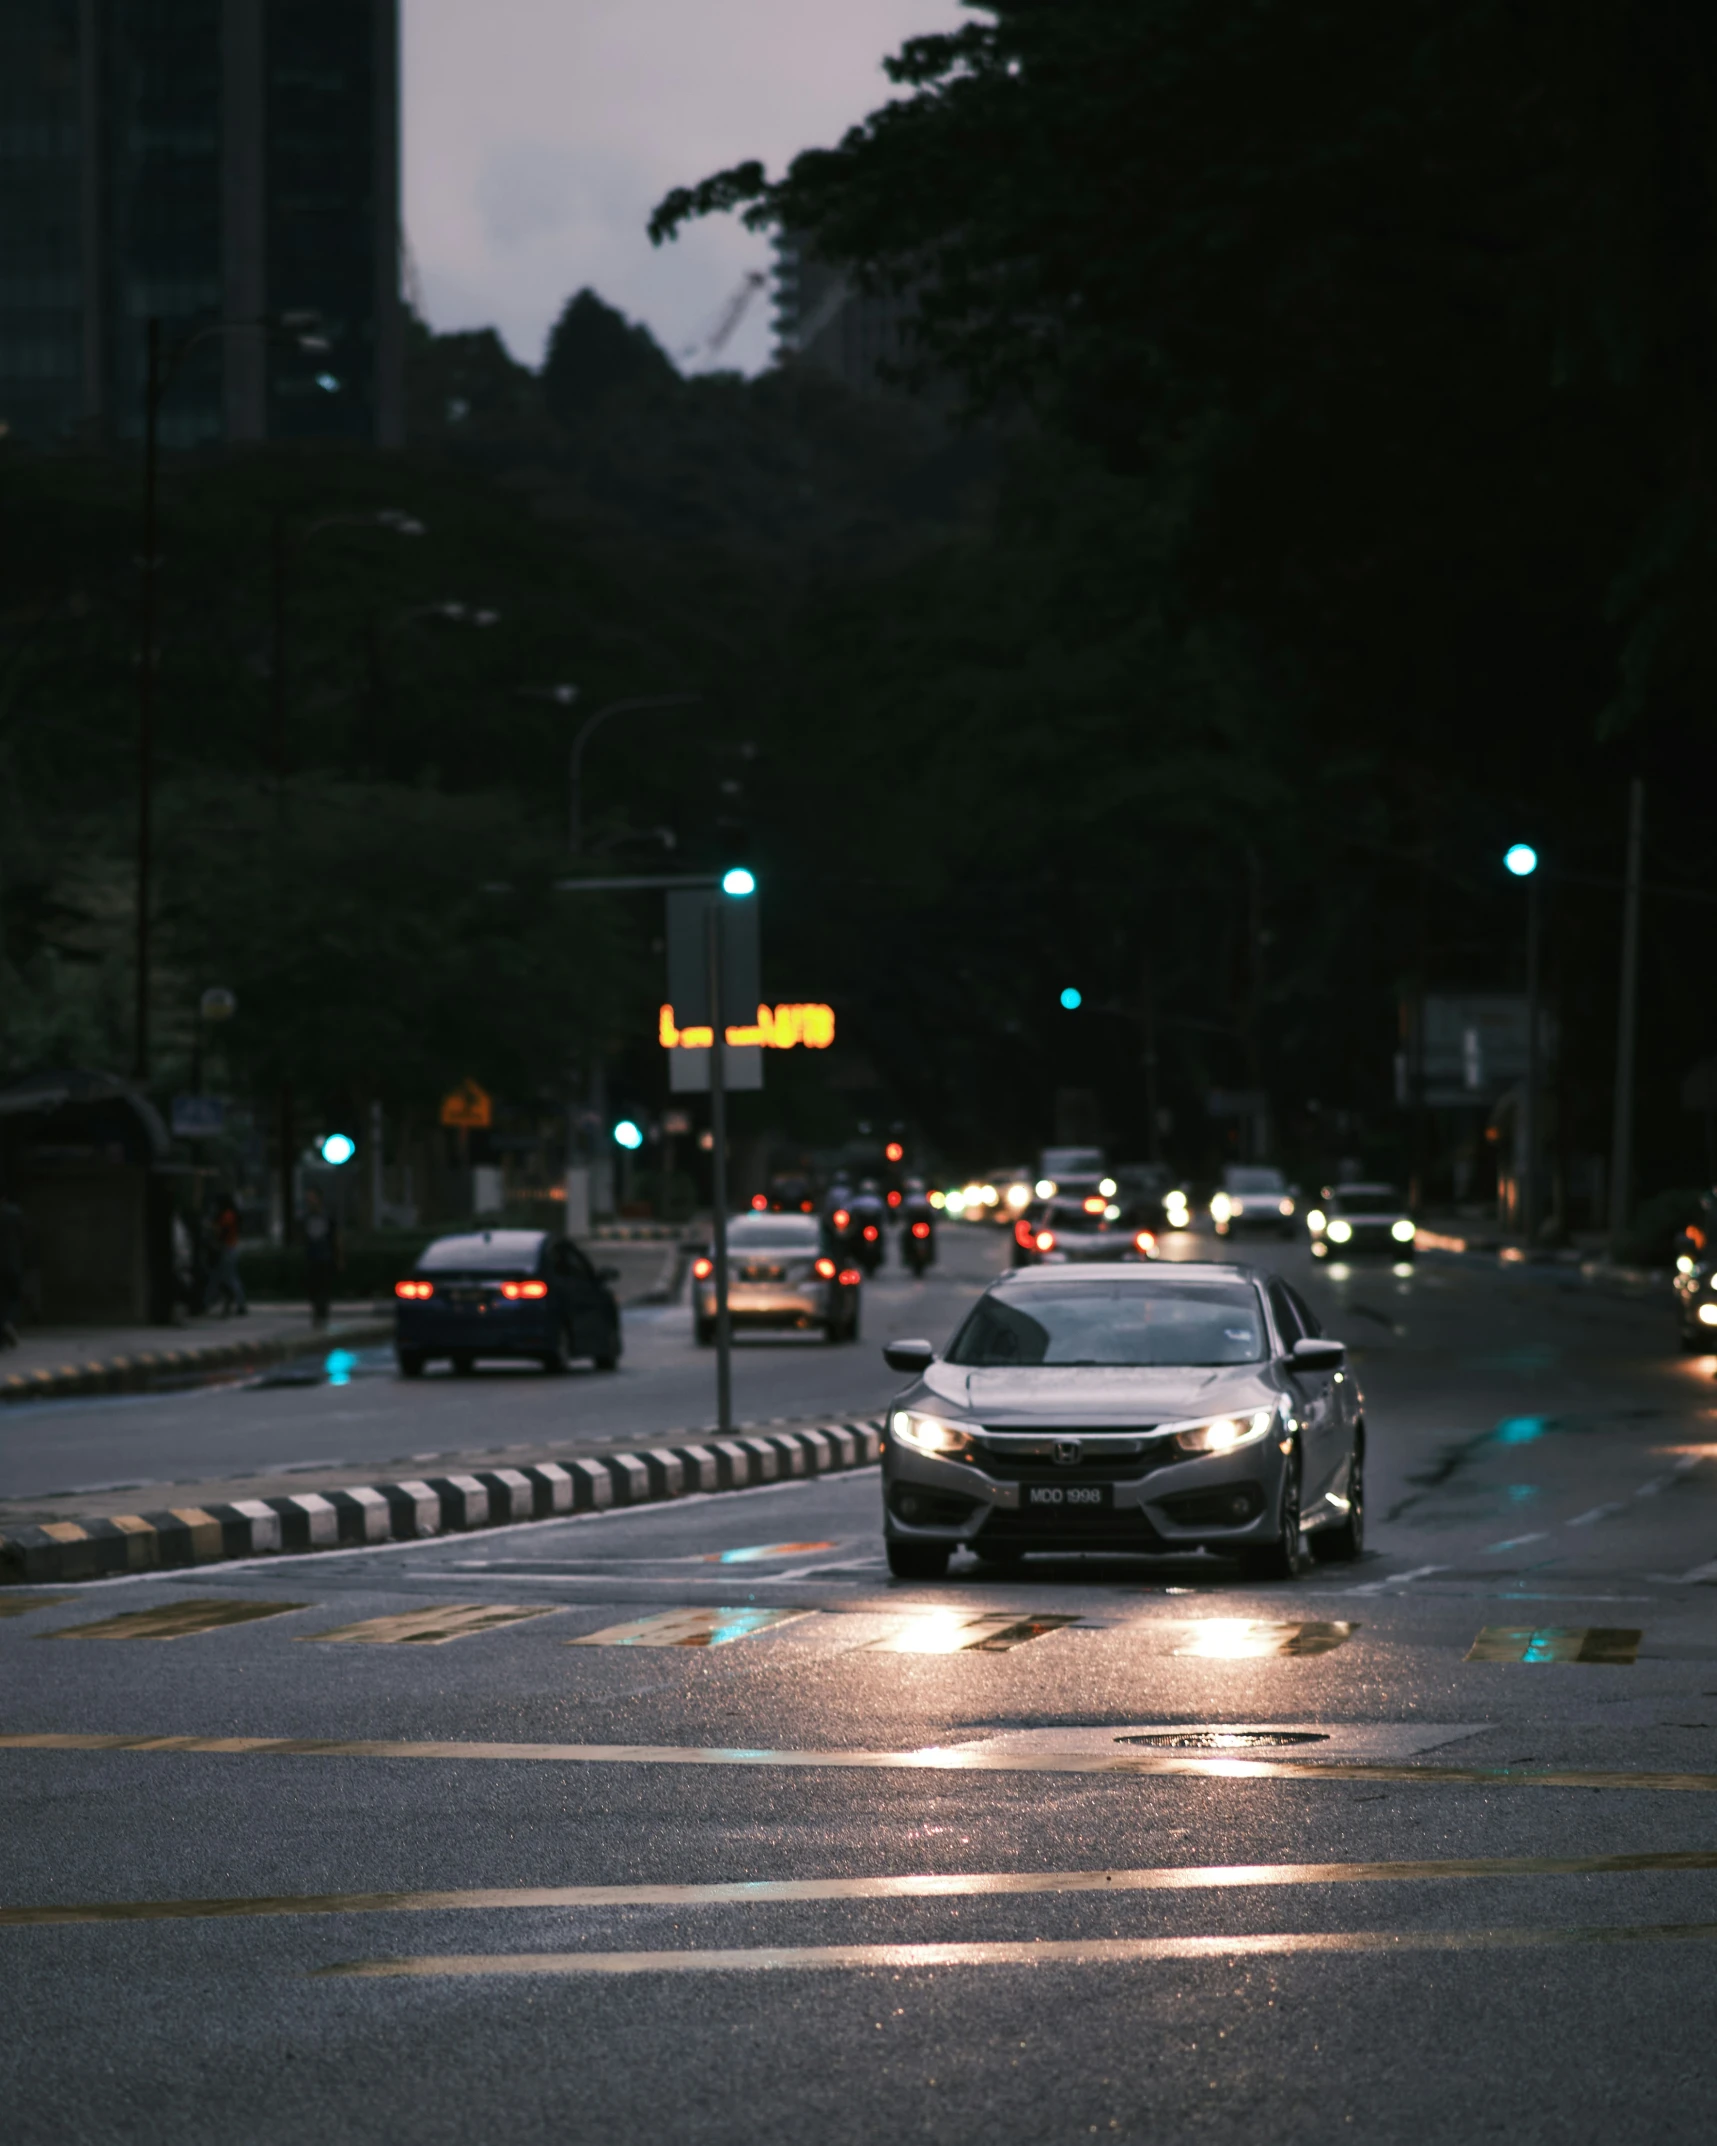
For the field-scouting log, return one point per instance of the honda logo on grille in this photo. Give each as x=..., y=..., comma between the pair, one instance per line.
x=1068, y=1452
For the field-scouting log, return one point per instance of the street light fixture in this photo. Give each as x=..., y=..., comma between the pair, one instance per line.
x=1521, y=860
x=586, y=731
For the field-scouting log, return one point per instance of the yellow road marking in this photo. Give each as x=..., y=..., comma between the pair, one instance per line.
x=20, y=1605
x=689, y=1628
x=1086, y=1951
x=1612, y=1645
x=936, y=1885
x=175, y=1620
x=1234, y=1639
x=957, y=1758
x=431, y=1627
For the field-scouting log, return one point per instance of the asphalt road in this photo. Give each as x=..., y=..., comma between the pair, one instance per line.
x=629, y=1890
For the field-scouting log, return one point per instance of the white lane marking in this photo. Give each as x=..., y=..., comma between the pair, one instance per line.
x=1598, y=1512
x=1707, y=1571
x=1516, y=1542
x=1398, y=1579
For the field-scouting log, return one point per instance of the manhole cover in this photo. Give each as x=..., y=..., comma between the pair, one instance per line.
x=1226, y=1739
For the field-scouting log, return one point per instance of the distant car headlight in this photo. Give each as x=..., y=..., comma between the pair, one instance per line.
x=1221, y=1207
x=1403, y=1231
x=929, y=1434
x=1708, y=1314
x=1019, y=1196
x=1046, y=1188
x=1284, y=1207
x=1340, y=1230
x=1223, y=1433
x=1683, y=1264
x=1317, y=1221
x=1111, y=1213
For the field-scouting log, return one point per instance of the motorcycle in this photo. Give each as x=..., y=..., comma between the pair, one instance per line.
x=917, y=1243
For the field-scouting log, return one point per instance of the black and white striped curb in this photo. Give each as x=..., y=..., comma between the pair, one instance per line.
x=164, y=1367
x=62, y=1550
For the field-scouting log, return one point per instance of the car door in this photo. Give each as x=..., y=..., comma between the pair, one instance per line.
x=589, y=1309
x=1318, y=1402
x=1344, y=1387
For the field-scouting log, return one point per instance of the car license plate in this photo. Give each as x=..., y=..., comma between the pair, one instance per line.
x=1069, y=1497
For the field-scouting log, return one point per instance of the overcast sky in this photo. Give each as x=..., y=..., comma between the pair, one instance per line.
x=539, y=134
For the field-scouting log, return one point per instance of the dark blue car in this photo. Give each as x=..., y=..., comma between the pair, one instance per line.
x=505, y=1292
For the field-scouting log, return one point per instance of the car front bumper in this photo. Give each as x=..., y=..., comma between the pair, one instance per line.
x=782, y=1306
x=1213, y=1501
x=479, y=1330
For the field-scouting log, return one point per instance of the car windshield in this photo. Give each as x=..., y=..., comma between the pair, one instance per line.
x=490, y=1251
x=1254, y=1181
x=774, y=1233
x=1369, y=1200
x=1124, y=1323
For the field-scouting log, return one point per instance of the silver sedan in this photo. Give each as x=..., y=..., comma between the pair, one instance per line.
x=1155, y=1410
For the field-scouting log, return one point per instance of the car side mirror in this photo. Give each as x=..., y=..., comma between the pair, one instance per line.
x=608, y=1274
x=911, y=1356
x=1322, y=1355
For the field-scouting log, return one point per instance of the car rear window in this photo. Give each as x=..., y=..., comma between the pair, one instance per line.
x=1125, y=1323
x=1254, y=1181
x=498, y=1251
x=774, y=1233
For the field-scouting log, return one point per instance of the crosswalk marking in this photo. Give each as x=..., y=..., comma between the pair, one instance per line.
x=175, y=1620
x=431, y=1627
x=1612, y=1645
x=1232, y=1639
x=938, y=1758
x=1030, y=1952
x=689, y=1628
x=12, y=1605
x=916, y=1885
x=958, y=1631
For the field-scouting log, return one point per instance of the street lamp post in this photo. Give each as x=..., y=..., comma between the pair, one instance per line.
x=586, y=731
x=1522, y=861
x=1622, y=1137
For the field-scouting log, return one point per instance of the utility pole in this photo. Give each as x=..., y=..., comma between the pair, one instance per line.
x=1529, y=1112
x=1622, y=1135
x=149, y=565
x=718, y=1172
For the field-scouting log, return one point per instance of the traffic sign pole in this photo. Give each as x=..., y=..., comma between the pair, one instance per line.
x=718, y=1170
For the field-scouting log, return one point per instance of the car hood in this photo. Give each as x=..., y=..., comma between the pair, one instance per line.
x=1095, y=1395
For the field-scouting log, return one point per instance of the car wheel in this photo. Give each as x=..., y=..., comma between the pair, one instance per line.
x=852, y=1332
x=918, y=1560
x=1341, y=1545
x=410, y=1363
x=464, y=1363
x=704, y=1333
x=609, y=1360
x=1282, y=1559
x=557, y=1359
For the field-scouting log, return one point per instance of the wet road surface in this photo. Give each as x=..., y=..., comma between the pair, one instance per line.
x=688, y=1823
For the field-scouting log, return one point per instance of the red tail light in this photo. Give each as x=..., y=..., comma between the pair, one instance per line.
x=1146, y=1242
x=1045, y=1240
x=703, y=1268
x=870, y=1233
x=921, y=1229
x=826, y=1268
x=807, y=1207
x=412, y=1290
x=849, y=1277
x=512, y=1291
x=841, y=1219
x=759, y=1201
x=1025, y=1234
x=894, y=1199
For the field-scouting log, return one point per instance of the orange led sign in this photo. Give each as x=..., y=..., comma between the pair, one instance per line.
x=777, y=1028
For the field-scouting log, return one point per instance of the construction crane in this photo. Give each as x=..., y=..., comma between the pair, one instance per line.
x=728, y=320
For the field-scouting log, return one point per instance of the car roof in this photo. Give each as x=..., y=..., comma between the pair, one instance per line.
x=1156, y=1270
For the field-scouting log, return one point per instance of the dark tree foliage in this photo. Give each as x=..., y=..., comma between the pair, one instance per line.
x=1378, y=344
x=594, y=352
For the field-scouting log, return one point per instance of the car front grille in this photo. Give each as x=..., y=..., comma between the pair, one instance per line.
x=1098, y=1461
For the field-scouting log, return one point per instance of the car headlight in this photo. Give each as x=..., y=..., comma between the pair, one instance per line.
x=1223, y=1433
x=1284, y=1207
x=1340, y=1230
x=1707, y=1314
x=1317, y=1221
x=929, y=1434
x=1683, y=1264
x=1403, y=1231
x=1221, y=1207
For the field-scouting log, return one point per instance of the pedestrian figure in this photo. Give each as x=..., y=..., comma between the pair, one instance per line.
x=321, y=1256
x=11, y=1271
x=225, y=1283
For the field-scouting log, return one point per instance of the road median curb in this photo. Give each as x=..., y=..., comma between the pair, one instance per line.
x=146, y=1368
x=185, y=1537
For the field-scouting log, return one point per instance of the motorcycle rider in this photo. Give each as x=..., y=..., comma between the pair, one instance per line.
x=917, y=1226
x=870, y=1219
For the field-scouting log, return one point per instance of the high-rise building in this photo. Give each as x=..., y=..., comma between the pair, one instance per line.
x=823, y=319
x=200, y=162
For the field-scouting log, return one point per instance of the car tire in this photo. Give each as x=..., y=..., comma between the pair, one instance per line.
x=557, y=1360
x=703, y=1333
x=918, y=1560
x=411, y=1362
x=609, y=1360
x=1340, y=1545
x=464, y=1363
x=1283, y=1558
